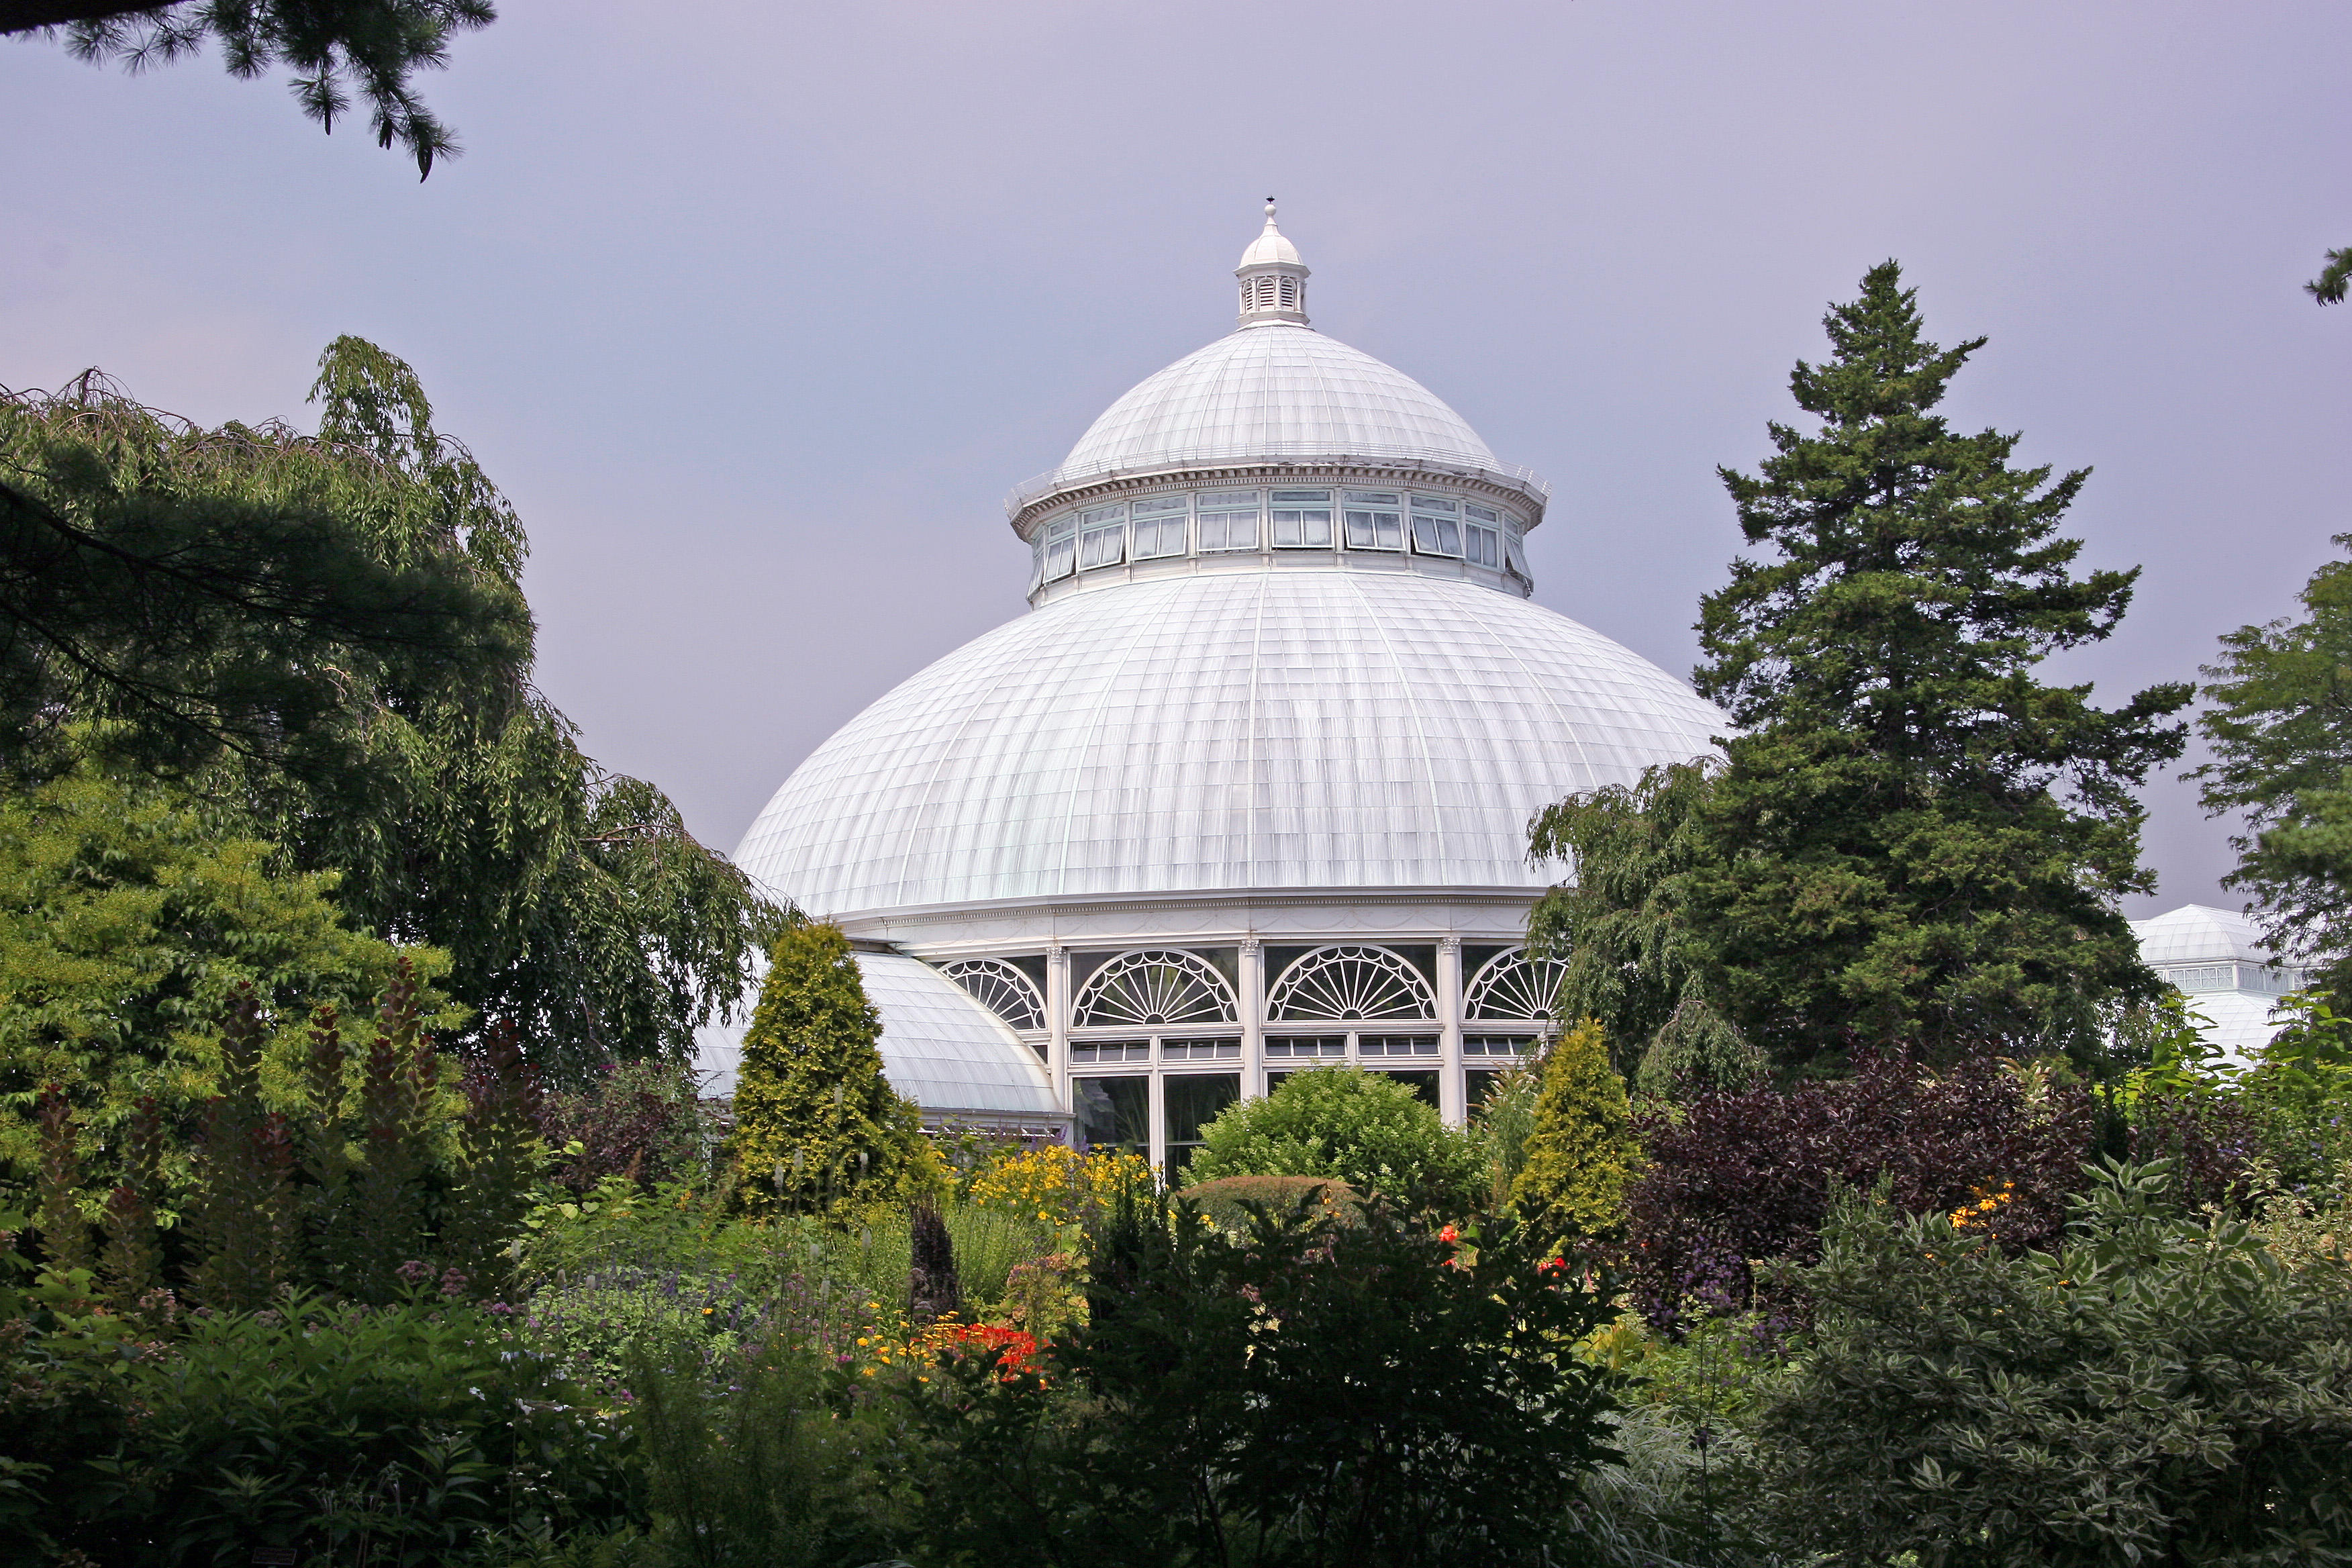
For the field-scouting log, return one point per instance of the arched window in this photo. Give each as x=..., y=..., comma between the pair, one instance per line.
x=1154, y=988
x=1340, y=983
x=1512, y=986
x=1000, y=988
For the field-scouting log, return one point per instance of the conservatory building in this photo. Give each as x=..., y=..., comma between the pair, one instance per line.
x=1247, y=789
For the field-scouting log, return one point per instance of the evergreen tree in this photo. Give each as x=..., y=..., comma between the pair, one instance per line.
x=1910, y=839
x=1582, y=1154
x=2280, y=724
x=817, y=1127
x=331, y=45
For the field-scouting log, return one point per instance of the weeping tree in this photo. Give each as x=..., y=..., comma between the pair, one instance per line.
x=356, y=690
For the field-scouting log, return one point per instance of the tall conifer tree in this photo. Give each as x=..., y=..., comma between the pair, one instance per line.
x=817, y=1127
x=1910, y=837
x=2280, y=725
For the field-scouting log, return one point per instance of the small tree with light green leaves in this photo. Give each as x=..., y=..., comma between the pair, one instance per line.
x=818, y=1128
x=1582, y=1154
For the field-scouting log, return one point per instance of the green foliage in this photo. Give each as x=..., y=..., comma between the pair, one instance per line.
x=1232, y=1201
x=243, y=1216
x=1582, y=1155
x=1364, y=1127
x=817, y=1127
x=127, y=924
x=768, y=1477
x=2161, y=1387
x=2278, y=717
x=499, y=1148
x=1910, y=837
x=1634, y=954
x=1503, y=1123
x=408, y=1433
x=375, y=45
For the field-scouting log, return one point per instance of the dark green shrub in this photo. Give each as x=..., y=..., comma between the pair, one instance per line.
x=2161, y=1387
x=1314, y=1393
x=1364, y=1127
x=409, y=1433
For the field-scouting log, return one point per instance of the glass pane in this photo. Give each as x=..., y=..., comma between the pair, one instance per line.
x=1101, y=514
x=1060, y=556
x=1374, y=497
x=1431, y=503
x=1302, y=530
x=1191, y=1102
x=1229, y=530
x=1163, y=537
x=1229, y=500
x=1061, y=528
x=1301, y=497
x=1479, y=545
x=1159, y=503
x=1101, y=547
x=1484, y=513
x=1113, y=1112
x=1375, y=531
x=1307, y=1045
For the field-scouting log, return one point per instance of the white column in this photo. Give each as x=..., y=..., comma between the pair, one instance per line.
x=1058, y=1024
x=1450, y=1097
x=1253, y=1005
x=1155, y=1113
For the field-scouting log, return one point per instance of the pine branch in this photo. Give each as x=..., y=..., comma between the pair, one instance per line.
x=2330, y=285
x=31, y=16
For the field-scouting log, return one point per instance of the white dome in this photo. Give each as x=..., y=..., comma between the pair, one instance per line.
x=1273, y=392
x=1235, y=731
x=2199, y=933
x=1270, y=248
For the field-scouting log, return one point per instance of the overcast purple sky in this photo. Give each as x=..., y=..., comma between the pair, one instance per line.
x=756, y=311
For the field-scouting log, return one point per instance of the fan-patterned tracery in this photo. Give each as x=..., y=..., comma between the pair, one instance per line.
x=1000, y=988
x=1340, y=983
x=1511, y=986
x=1153, y=988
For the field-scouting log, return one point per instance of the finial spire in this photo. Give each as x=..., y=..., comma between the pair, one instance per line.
x=1274, y=281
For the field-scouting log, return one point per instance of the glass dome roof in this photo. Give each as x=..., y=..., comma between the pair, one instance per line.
x=1324, y=729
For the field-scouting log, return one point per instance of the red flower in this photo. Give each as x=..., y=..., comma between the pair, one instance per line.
x=1449, y=1236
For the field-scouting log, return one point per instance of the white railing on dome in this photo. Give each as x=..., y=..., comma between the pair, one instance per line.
x=1038, y=486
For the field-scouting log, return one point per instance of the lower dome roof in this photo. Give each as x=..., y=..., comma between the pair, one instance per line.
x=1226, y=731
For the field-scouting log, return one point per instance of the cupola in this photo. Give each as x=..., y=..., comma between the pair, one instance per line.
x=1274, y=281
